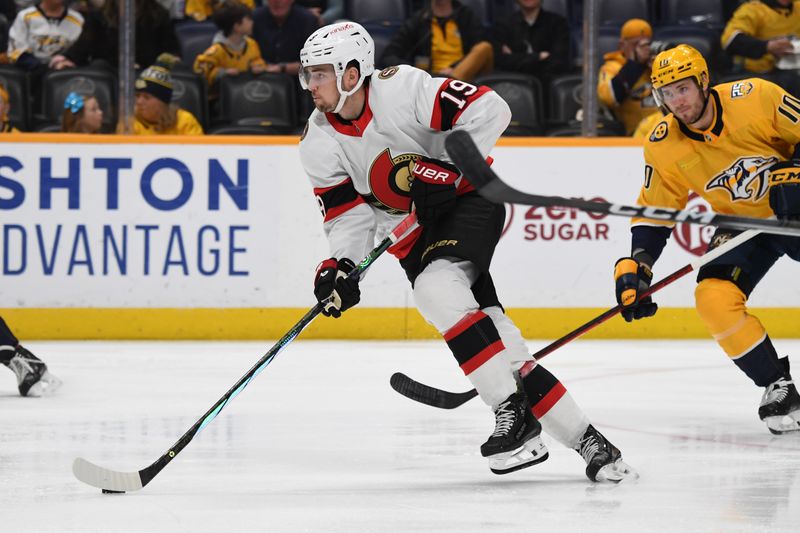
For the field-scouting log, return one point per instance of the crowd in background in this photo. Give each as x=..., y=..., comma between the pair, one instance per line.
x=195, y=58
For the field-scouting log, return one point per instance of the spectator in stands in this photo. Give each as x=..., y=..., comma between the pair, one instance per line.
x=280, y=29
x=233, y=51
x=98, y=45
x=8, y=12
x=532, y=41
x=82, y=114
x=444, y=38
x=155, y=114
x=41, y=32
x=624, y=80
x=326, y=11
x=202, y=9
x=763, y=33
x=5, y=107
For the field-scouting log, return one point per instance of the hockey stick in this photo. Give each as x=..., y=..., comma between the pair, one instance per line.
x=419, y=392
x=114, y=481
x=467, y=157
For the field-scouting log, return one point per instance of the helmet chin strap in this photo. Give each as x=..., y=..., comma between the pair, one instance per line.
x=703, y=109
x=344, y=94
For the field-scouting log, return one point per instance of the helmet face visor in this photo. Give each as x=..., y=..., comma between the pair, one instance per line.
x=316, y=76
x=686, y=87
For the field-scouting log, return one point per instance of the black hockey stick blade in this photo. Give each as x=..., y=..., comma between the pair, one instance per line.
x=467, y=157
x=429, y=395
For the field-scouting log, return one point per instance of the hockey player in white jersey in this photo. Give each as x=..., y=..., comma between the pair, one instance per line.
x=374, y=150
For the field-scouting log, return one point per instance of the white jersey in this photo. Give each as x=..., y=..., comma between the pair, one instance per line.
x=43, y=37
x=361, y=170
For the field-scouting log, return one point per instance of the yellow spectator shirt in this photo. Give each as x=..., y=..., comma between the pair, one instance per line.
x=756, y=124
x=638, y=105
x=446, y=47
x=202, y=9
x=185, y=125
x=220, y=56
x=759, y=20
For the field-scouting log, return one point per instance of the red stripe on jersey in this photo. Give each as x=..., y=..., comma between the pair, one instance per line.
x=334, y=212
x=452, y=98
x=481, y=357
x=462, y=325
x=549, y=400
x=403, y=247
x=354, y=128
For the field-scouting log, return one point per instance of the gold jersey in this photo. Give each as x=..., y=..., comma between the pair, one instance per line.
x=755, y=125
x=185, y=125
x=761, y=21
x=638, y=105
x=220, y=56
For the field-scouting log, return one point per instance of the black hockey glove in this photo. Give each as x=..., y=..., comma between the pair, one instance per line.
x=784, y=190
x=433, y=191
x=334, y=289
x=632, y=279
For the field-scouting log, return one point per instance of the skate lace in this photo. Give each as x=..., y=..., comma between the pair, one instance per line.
x=780, y=391
x=21, y=367
x=777, y=392
x=504, y=420
x=588, y=448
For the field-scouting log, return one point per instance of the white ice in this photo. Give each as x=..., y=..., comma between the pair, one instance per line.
x=319, y=442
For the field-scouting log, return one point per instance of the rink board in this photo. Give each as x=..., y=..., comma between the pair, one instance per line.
x=218, y=237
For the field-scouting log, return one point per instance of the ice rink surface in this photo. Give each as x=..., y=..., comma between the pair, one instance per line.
x=319, y=442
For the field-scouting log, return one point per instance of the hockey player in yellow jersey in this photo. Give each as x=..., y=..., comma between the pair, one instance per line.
x=733, y=145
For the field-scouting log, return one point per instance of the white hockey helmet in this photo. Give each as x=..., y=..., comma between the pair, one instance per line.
x=338, y=44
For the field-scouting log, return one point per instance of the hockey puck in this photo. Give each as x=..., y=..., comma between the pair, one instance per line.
x=106, y=491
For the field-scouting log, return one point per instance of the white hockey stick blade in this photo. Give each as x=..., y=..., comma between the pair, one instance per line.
x=103, y=478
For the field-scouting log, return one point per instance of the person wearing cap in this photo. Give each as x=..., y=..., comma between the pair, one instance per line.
x=762, y=34
x=5, y=107
x=82, y=114
x=733, y=144
x=155, y=114
x=624, y=81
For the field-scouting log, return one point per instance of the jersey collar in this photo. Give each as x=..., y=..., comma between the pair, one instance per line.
x=716, y=129
x=353, y=128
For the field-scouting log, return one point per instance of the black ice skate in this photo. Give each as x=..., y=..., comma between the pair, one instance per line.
x=780, y=405
x=33, y=378
x=516, y=442
x=603, y=459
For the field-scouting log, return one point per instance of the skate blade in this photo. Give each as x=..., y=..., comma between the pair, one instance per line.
x=532, y=452
x=46, y=385
x=778, y=425
x=616, y=472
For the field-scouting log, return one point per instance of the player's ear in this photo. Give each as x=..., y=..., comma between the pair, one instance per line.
x=351, y=76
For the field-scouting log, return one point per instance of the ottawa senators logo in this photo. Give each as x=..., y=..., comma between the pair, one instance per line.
x=388, y=72
x=744, y=180
x=390, y=181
